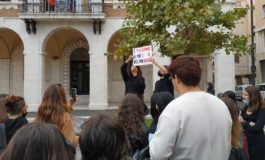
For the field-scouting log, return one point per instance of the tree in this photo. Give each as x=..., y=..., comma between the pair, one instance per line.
x=180, y=27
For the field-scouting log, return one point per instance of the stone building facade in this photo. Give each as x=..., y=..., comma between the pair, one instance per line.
x=42, y=45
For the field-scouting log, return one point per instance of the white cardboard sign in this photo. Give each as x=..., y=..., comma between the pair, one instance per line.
x=142, y=55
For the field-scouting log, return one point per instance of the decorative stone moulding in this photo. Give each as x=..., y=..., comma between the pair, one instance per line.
x=65, y=67
x=116, y=4
x=9, y=5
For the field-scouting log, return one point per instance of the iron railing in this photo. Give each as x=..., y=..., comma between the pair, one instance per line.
x=63, y=6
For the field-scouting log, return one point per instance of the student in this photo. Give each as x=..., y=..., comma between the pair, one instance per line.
x=103, y=138
x=237, y=152
x=253, y=121
x=133, y=79
x=55, y=109
x=159, y=101
x=164, y=84
x=196, y=125
x=131, y=117
x=37, y=141
x=16, y=109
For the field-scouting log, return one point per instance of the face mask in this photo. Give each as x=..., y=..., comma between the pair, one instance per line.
x=246, y=102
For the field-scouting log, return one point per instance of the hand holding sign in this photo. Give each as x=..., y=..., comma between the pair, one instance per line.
x=142, y=56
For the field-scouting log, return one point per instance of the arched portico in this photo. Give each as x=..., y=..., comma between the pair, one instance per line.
x=11, y=63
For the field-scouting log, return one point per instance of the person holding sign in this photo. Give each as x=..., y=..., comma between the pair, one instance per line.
x=164, y=84
x=133, y=79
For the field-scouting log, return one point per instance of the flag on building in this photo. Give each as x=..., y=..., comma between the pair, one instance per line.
x=51, y=2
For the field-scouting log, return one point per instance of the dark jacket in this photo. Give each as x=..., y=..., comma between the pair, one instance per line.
x=12, y=125
x=256, y=137
x=164, y=85
x=237, y=154
x=2, y=137
x=133, y=84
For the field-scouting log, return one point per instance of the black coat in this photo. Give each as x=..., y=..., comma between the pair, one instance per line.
x=256, y=137
x=12, y=125
x=133, y=84
x=164, y=85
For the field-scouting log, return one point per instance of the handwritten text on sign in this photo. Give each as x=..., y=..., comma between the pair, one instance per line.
x=142, y=56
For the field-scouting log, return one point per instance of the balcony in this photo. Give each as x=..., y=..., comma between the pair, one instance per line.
x=42, y=10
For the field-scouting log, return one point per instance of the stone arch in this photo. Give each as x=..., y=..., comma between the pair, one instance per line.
x=65, y=65
x=11, y=62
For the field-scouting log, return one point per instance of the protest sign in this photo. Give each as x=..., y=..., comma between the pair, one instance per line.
x=142, y=55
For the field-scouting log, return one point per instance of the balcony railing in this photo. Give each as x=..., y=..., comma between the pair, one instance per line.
x=62, y=6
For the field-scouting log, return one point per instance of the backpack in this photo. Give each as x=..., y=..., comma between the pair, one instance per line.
x=2, y=137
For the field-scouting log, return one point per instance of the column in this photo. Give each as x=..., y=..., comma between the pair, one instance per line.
x=224, y=70
x=224, y=65
x=98, y=74
x=33, y=78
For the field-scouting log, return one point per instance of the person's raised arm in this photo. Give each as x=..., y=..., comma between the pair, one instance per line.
x=124, y=73
x=161, y=67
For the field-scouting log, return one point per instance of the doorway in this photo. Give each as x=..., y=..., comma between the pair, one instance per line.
x=80, y=71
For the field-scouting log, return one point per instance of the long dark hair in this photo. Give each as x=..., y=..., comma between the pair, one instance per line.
x=33, y=141
x=159, y=101
x=103, y=138
x=255, y=99
x=131, y=113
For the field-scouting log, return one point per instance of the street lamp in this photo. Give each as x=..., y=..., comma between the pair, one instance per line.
x=253, y=66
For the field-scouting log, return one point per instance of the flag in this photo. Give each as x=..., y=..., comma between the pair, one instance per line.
x=51, y=2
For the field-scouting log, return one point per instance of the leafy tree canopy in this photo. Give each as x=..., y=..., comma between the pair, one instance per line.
x=180, y=27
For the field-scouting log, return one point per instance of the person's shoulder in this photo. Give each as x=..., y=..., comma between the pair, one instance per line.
x=174, y=106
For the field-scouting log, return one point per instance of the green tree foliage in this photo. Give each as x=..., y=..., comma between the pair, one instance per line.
x=180, y=27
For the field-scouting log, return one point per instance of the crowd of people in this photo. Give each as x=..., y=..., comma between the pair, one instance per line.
x=195, y=126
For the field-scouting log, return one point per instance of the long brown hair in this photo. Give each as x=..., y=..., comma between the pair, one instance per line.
x=255, y=99
x=131, y=113
x=236, y=126
x=53, y=106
